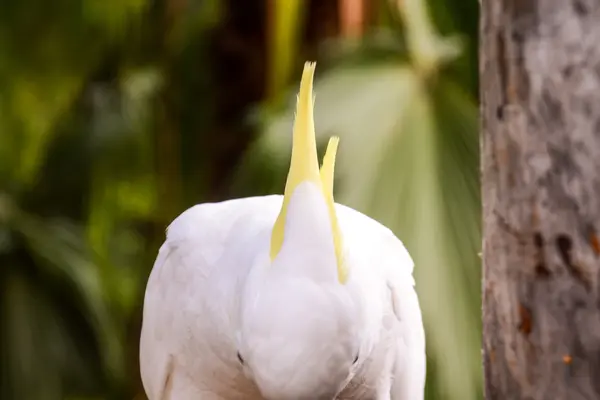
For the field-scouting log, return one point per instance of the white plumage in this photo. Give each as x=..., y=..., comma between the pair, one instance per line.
x=224, y=319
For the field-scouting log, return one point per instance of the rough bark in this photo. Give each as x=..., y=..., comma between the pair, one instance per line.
x=540, y=93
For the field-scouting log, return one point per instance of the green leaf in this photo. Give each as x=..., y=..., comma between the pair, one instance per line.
x=427, y=48
x=286, y=21
x=60, y=249
x=36, y=104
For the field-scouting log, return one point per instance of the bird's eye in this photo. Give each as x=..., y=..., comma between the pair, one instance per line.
x=355, y=359
x=239, y=356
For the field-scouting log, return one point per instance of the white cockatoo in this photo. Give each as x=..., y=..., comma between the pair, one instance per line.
x=289, y=297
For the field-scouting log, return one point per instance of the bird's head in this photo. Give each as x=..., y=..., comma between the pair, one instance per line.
x=301, y=325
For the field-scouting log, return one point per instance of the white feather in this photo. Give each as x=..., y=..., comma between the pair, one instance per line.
x=191, y=319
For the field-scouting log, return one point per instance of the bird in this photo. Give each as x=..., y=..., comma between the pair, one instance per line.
x=283, y=297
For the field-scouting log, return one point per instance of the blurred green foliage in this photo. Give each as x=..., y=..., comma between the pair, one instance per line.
x=115, y=116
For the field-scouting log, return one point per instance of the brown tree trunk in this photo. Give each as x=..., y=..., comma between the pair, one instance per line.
x=540, y=92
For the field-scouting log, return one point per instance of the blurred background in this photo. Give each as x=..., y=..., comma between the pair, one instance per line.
x=117, y=115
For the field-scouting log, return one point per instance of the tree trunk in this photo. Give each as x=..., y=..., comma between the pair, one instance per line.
x=540, y=92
